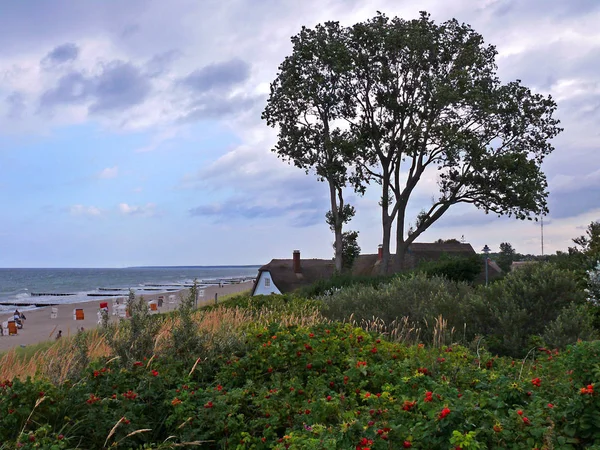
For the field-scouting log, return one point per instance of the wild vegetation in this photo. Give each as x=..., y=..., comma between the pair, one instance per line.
x=413, y=361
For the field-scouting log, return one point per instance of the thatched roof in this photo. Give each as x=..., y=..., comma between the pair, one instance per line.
x=282, y=270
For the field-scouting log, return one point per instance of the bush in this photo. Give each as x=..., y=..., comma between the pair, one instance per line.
x=330, y=285
x=575, y=322
x=524, y=302
x=421, y=298
x=455, y=268
x=133, y=339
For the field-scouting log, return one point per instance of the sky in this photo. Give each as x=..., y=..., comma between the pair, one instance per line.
x=130, y=132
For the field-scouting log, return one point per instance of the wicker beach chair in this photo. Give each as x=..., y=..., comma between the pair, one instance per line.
x=78, y=314
x=54, y=313
x=12, y=328
x=4, y=328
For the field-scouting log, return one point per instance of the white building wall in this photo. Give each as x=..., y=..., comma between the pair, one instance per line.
x=265, y=285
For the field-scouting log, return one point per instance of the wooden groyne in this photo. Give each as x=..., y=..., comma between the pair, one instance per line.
x=21, y=304
x=49, y=294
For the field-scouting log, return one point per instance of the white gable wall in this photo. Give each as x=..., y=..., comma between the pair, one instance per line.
x=265, y=285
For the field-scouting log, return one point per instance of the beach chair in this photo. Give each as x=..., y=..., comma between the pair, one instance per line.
x=78, y=314
x=5, y=328
x=115, y=304
x=99, y=314
x=12, y=328
x=54, y=313
x=122, y=311
x=171, y=299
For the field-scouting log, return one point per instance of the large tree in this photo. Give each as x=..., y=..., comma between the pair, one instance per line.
x=428, y=98
x=307, y=101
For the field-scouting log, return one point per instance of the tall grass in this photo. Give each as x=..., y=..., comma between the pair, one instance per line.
x=218, y=328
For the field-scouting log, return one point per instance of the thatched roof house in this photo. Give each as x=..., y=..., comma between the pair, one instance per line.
x=286, y=275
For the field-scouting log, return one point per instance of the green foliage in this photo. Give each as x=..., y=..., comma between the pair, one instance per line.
x=455, y=268
x=589, y=243
x=506, y=256
x=575, y=322
x=524, y=302
x=419, y=297
x=133, y=339
x=328, y=286
x=330, y=386
x=350, y=249
x=185, y=339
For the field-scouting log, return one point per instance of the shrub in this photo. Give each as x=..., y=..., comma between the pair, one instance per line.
x=575, y=322
x=330, y=285
x=421, y=298
x=455, y=268
x=134, y=339
x=524, y=302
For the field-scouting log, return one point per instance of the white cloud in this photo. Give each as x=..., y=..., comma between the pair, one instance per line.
x=148, y=210
x=109, y=172
x=81, y=210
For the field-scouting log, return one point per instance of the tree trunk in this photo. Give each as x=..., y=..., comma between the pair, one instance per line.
x=386, y=222
x=387, y=234
x=337, y=226
x=401, y=245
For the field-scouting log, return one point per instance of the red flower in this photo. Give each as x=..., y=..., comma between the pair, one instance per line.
x=138, y=364
x=526, y=421
x=329, y=398
x=408, y=405
x=550, y=405
x=219, y=387
x=309, y=366
x=374, y=350
x=154, y=373
x=520, y=412
x=428, y=396
x=208, y=405
x=536, y=382
x=444, y=413
x=407, y=444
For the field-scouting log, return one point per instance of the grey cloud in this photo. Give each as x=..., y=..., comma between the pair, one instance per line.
x=301, y=213
x=62, y=54
x=71, y=88
x=215, y=107
x=558, y=8
x=574, y=203
x=16, y=105
x=161, y=62
x=118, y=86
x=218, y=76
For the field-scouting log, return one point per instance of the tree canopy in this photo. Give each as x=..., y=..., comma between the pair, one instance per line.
x=393, y=102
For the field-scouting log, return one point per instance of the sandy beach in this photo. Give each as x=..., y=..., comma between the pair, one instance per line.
x=40, y=327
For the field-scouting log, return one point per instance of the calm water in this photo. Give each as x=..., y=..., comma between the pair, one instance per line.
x=18, y=285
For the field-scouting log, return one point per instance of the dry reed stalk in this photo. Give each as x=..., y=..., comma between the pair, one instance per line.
x=133, y=433
x=37, y=403
x=113, y=430
x=185, y=444
x=185, y=423
x=194, y=368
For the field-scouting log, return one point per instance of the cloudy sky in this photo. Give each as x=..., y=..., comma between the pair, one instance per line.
x=130, y=131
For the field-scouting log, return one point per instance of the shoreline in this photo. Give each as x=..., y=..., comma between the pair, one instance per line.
x=39, y=327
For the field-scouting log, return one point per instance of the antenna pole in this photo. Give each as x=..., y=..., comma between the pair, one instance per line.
x=542, y=236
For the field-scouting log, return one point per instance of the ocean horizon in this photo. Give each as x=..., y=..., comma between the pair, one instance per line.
x=19, y=286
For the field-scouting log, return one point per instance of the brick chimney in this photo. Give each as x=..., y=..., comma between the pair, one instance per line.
x=296, y=258
x=380, y=252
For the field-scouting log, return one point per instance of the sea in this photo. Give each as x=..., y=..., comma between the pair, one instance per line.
x=20, y=287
